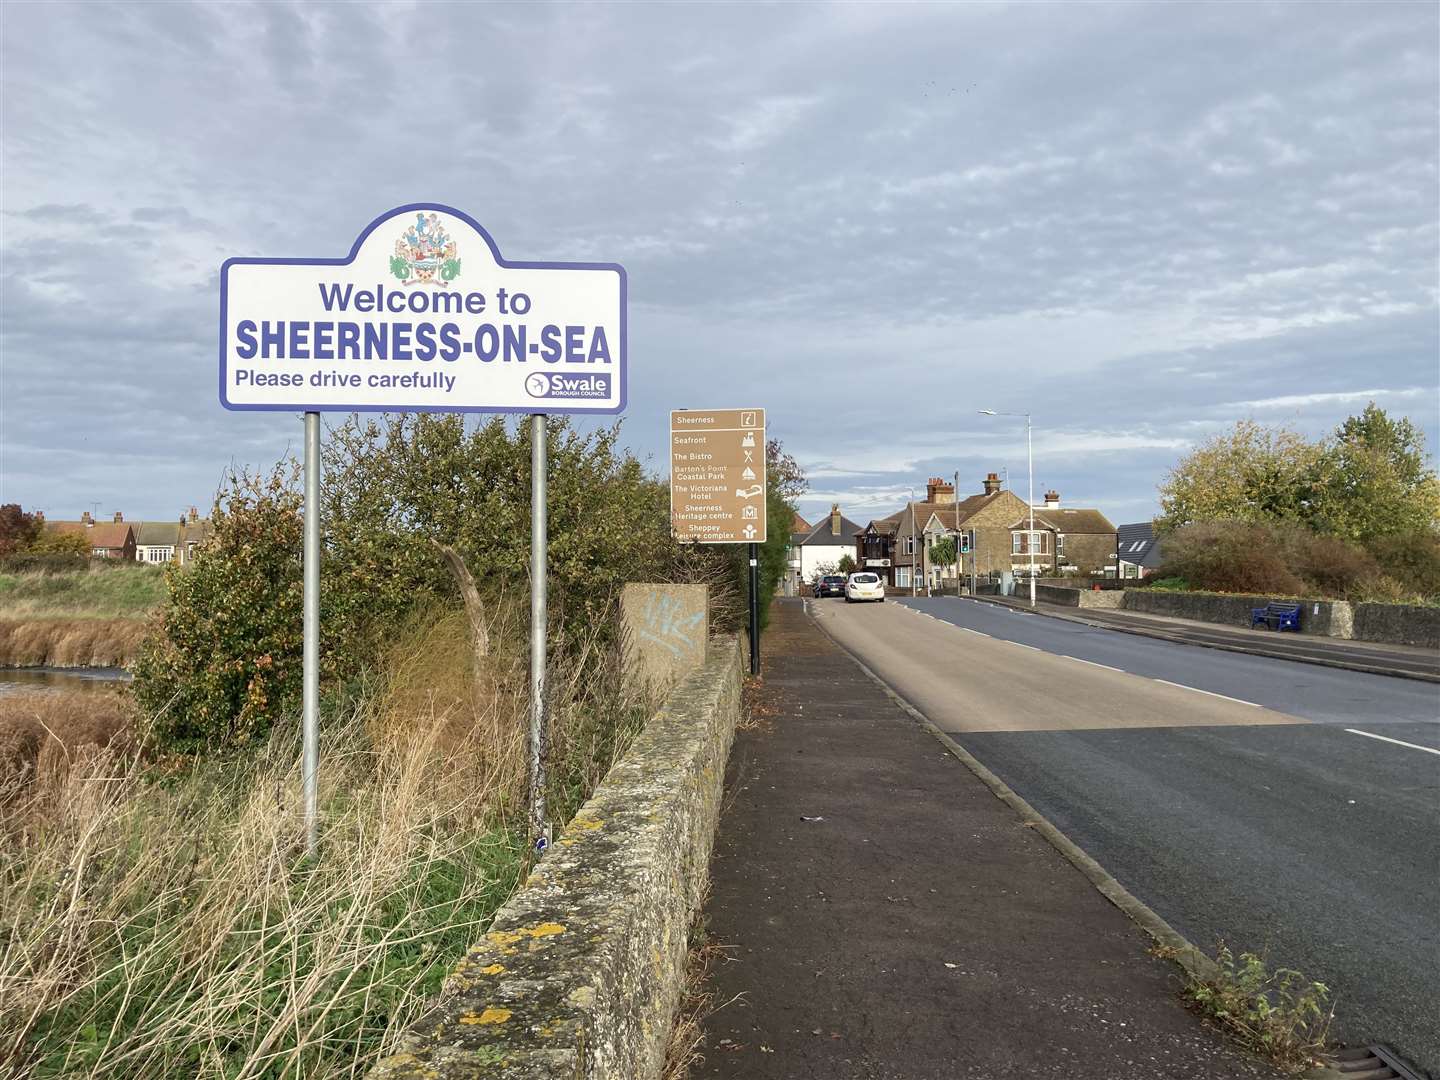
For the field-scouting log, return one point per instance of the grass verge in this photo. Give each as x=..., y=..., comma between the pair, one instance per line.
x=128, y=590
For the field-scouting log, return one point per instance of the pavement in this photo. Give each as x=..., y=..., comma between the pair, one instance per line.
x=886, y=916
x=1285, y=807
x=1407, y=661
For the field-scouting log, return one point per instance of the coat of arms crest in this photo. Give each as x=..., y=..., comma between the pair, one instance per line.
x=425, y=254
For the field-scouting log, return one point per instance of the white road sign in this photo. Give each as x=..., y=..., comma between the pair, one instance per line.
x=423, y=314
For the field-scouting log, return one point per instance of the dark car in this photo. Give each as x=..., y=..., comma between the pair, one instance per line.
x=830, y=585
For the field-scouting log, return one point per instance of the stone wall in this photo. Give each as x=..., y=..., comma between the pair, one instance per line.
x=1398, y=623
x=1330, y=618
x=1071, y=596
x=581, y=972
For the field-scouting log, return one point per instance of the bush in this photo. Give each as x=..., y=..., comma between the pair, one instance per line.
x=1229, y=556
x=55, y=562
x=1291, y=560
x=1412, y=561
x=222, y=662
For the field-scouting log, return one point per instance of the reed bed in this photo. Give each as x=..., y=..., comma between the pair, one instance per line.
x=70, y=643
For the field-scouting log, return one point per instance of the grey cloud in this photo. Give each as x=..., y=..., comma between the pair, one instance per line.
x=1126, y=218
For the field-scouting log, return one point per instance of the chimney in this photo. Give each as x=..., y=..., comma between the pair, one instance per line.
x=119, y=518
x=939, y=492
x=85, y=518
x=992, y=483
x=834, y=519
x=194, y=515
x=1052, y=499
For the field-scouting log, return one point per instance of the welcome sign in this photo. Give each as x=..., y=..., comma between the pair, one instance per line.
x=423, y=314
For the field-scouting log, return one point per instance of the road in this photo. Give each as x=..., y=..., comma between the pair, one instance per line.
x=1284, y=807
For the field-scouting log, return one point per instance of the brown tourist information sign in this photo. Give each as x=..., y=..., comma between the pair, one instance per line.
x=717, y=476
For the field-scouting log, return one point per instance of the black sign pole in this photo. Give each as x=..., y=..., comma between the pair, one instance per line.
x=754, y=612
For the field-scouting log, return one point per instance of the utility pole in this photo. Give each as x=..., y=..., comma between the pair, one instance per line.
x=959, y=561
x=1030, y=457
x=913, y=592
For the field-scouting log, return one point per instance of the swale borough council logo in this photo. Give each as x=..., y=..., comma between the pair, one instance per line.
x=425, y=254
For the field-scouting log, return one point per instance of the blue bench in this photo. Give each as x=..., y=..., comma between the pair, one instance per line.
x=1276, y=617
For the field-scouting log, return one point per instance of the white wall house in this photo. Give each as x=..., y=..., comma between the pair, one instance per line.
x=823, y=546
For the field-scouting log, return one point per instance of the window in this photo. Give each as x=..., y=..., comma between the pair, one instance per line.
x=902, y=577
x=1060, y=544
x=1019, y=545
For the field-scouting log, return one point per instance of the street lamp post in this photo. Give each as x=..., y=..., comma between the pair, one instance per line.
x=958, y=560
x=1030, y=502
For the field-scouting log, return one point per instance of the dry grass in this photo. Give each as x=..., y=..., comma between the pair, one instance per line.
x=161, y=919
x=166, y=923
x=66, y=643
x=41, y=734
x=685, y=1047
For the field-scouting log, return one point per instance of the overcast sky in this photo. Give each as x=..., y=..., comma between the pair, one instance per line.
x=1139, y=222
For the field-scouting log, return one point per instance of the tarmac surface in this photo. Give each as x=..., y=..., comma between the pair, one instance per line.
x=1381, y=658
x=885, y=916
x=1286, y=808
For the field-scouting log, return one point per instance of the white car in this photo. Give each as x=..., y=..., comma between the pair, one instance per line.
x=864, y=587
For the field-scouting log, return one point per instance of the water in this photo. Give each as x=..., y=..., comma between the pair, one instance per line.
x=30, y=680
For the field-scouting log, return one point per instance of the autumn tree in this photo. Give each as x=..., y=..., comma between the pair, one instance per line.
x=1252, y=473
x=1376, y=480
x=18, y=529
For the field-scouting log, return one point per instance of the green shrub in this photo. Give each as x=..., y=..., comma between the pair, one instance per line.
x=223, y=661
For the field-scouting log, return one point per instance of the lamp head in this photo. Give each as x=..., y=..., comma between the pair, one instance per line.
x=987, y=412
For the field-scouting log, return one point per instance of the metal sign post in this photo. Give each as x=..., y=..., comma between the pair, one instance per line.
x=423, y=315
x=754, y=610
x=539, y=542
x=310, y=678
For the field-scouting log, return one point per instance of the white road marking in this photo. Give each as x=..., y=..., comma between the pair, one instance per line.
x=1092, y=663
x=1022, y=645
x=1397, y=742
x=1211, y=693
x=976, y=632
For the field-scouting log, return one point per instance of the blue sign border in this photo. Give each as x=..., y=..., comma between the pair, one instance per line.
x=555, y=407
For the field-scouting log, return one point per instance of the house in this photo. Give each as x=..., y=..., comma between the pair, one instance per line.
x=1070, y=538
x=1139, y=550
x=996, y=524
x=822, y=546
x=194, y=531
x=108, y=540
x=157, y=541
x=799, y=525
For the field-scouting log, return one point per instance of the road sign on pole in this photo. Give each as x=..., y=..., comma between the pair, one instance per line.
x=717, y=488
x=423, y=315
x=717, y=476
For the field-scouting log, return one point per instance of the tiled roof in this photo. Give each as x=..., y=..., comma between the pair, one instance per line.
x=157, y=533
x=821, y=535
x=1078, y=521
x=104, y=534
x=1139, y=545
